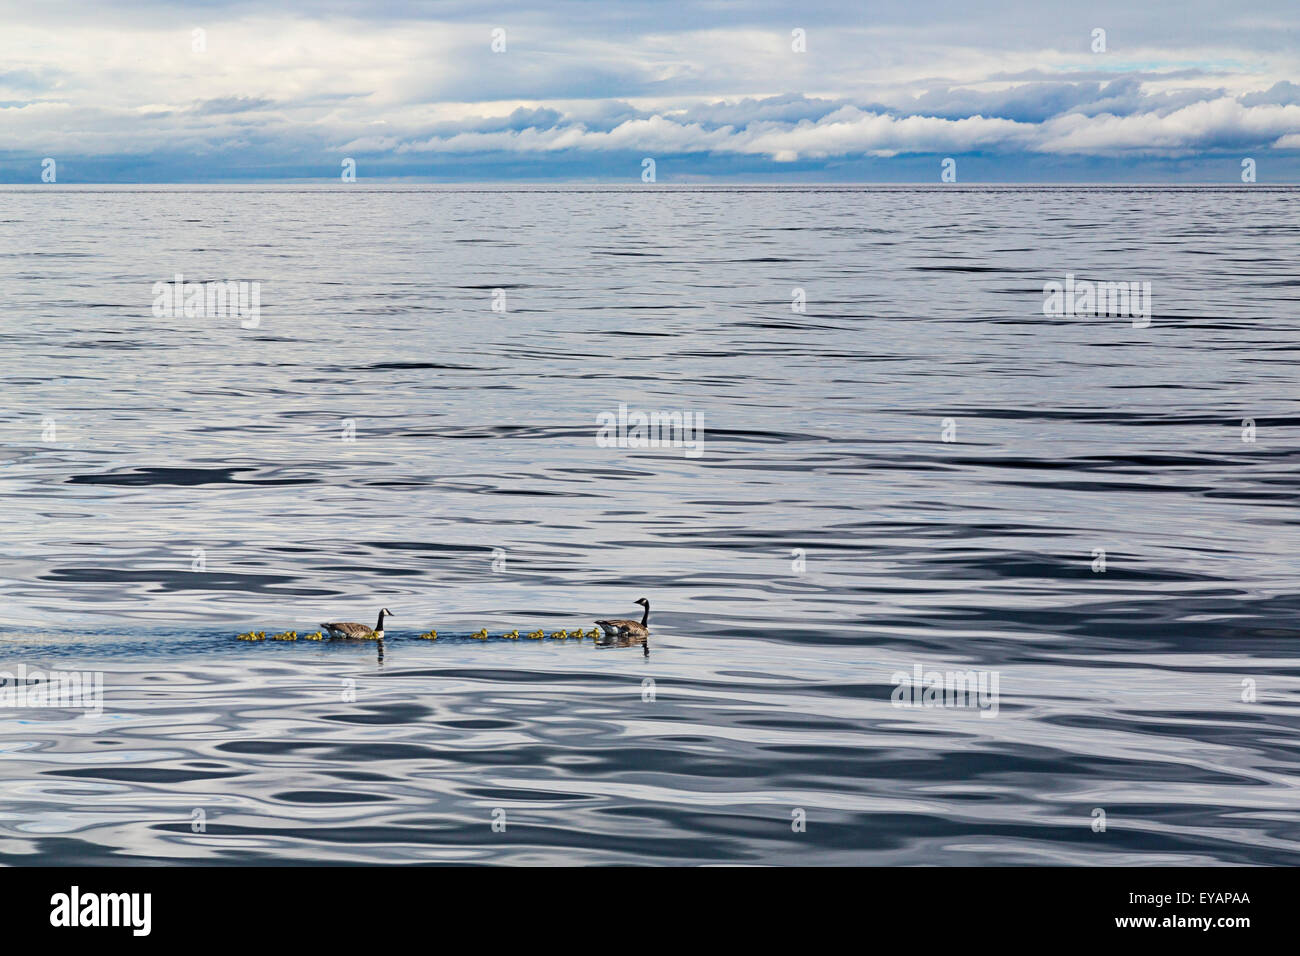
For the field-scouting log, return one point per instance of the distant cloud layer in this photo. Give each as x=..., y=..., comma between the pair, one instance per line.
x=150, y=92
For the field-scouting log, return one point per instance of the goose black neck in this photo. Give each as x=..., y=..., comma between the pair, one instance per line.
x=645, y=618
x=380, y=625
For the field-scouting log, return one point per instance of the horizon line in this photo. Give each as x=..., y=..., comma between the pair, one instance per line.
x=633, y=185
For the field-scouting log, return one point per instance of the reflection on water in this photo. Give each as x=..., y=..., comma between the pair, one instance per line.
x=385, y=439
x=624, y=640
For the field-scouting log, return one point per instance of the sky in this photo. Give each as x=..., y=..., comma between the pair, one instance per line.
x=586, y=90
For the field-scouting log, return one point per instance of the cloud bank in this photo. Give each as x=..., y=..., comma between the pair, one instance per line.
x=710, y=91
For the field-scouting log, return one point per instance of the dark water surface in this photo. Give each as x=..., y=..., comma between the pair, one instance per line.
x=170, y=482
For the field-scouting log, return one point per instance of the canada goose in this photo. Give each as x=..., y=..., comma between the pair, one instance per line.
x=359, y=631
x=624, y=628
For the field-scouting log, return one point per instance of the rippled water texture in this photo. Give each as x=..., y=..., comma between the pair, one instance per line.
x=170, y=482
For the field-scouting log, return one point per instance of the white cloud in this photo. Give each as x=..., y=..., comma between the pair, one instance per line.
x=1222, y=122
x=396, y=83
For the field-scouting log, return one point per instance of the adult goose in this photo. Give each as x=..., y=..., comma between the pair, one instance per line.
x=624, y=628
x=358, y=631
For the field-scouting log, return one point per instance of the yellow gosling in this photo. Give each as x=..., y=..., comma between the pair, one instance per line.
x=480, y=635
x=559, y=635
x=512, y=636
x=431, y=635
x=538, y=634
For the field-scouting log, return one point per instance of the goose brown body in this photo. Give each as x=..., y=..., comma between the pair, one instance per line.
x=622, y=627
x=355, y=631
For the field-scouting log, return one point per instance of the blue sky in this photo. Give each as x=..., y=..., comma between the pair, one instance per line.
x=712, y=91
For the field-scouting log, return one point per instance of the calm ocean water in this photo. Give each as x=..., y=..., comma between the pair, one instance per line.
x=383, y=437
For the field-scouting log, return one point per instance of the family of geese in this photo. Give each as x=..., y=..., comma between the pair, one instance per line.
x=616, y=628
